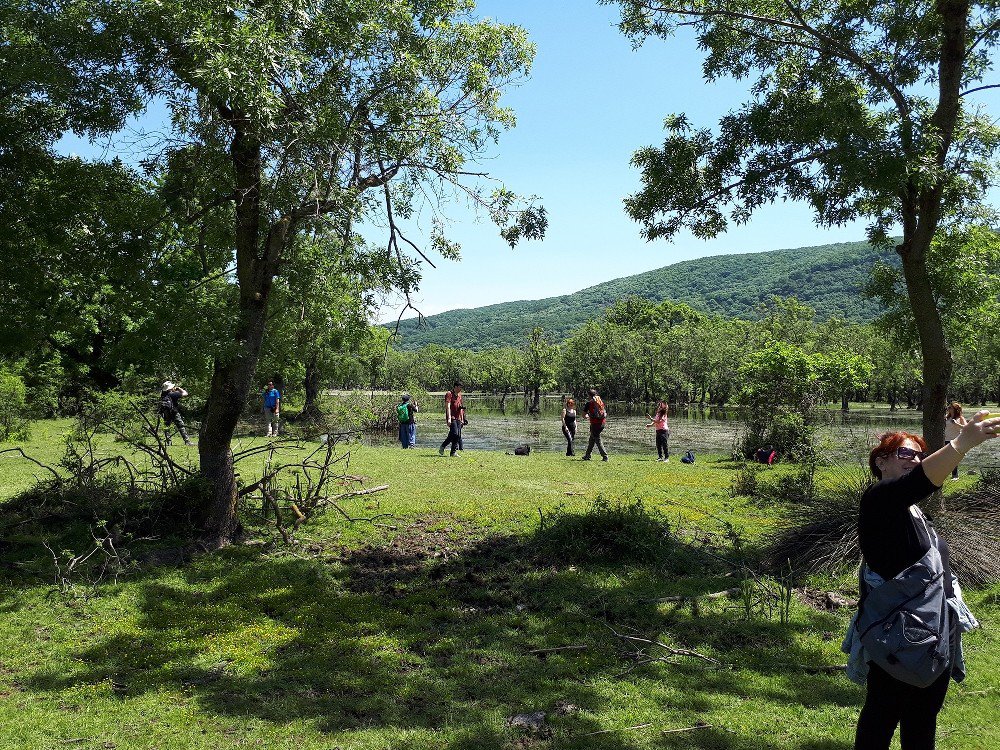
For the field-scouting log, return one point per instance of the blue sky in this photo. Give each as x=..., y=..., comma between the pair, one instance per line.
x=590, y=103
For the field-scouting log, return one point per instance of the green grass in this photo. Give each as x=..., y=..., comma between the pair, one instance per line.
x=421, y=636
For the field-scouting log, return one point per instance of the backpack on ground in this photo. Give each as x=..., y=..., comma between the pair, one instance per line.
x=403, y=412
x=687, y=458
x=522, y=450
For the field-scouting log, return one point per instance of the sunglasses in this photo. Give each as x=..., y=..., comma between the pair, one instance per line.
x=904, y=452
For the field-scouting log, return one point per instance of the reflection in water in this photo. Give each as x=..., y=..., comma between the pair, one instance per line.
x=701, y=429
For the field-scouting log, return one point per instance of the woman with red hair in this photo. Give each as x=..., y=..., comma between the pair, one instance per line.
x=896, y=543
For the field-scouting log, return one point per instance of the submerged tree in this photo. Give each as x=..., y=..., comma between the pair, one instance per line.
x=858, y=109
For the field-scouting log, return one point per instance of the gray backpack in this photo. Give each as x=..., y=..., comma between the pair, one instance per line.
x=904, y=623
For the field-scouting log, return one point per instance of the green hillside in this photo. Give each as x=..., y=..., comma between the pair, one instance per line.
x=829, y=278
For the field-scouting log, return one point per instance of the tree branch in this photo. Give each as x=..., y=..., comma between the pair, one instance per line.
x=979, y=88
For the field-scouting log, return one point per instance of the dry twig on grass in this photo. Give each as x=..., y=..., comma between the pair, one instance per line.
x=642, y=655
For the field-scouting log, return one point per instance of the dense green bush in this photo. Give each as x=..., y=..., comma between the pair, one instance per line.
x=608, y=532
x=14, y=423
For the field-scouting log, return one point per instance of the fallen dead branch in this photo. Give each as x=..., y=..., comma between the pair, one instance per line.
x=312, y=490
x=557, y=648
x=55, y=475
x=686, y=729
x=644, y=654
x=688, y=597
x=621, y=729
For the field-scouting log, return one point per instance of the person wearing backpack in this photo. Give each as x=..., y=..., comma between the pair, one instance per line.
x=272, y=408
x=405, y=411
x=598, y=416
x=454, y=414
x=170, y=412
x=905, y=641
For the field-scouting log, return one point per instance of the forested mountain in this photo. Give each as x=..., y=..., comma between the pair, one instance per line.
x=828, y=278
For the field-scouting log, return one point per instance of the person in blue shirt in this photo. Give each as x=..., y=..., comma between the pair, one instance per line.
x=272, y=409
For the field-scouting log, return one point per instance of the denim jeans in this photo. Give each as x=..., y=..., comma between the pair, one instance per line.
x=408, y=434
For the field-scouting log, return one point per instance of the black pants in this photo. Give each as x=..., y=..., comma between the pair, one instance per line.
x=595, y=439
x=663, y=443
x=569, y=431
x=454, y=438
x=890, y=702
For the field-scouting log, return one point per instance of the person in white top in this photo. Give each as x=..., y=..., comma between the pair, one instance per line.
x=954, y=422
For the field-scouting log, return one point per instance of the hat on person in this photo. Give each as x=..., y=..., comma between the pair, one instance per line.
x=406, y=397
x=167, y=385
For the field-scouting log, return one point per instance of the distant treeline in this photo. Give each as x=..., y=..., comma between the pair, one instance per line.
x=639, y=351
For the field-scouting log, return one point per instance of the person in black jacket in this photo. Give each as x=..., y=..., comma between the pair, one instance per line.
x=893, y=534
x=170, y=411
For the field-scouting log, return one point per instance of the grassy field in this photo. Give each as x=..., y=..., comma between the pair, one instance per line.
x=483, y=595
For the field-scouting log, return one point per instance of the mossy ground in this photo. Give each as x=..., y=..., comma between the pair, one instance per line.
x=427, y=634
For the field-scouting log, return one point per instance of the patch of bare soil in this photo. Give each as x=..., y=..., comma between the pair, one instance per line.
x=826, y=601
x=435, y=549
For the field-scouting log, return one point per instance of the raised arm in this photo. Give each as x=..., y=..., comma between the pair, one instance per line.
x=939, y=465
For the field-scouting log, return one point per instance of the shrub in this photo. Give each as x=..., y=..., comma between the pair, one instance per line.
x=788, y=432
x=609, y=532
x=820, y=534
x=14, y=423
x=746, y=482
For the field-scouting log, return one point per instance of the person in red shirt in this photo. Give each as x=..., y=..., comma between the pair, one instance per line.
x=598, y=416
x=454, y=414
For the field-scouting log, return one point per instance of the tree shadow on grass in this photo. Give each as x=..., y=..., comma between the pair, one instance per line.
x=420, y=636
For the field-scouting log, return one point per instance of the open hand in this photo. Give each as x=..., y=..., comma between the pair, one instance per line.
x=982, y=427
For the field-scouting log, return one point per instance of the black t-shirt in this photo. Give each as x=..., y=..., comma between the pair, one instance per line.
x=892, y=537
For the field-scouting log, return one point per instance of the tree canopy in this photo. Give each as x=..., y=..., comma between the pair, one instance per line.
x=858, y=109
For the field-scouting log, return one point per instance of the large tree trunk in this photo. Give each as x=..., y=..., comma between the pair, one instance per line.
x=310, y=409
x=921, y=214
x=256, y=265
x=937, y=359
